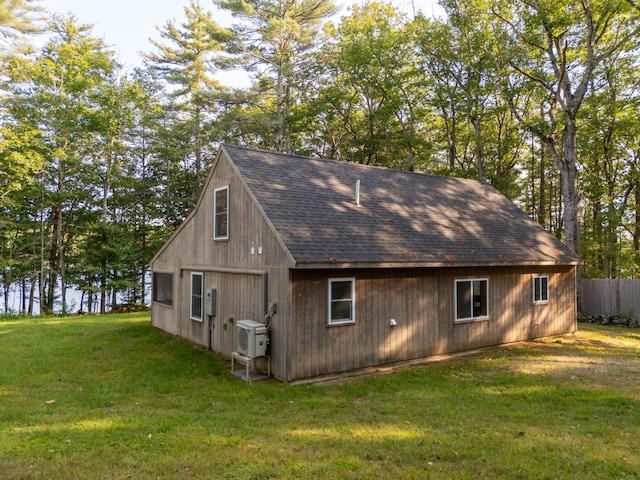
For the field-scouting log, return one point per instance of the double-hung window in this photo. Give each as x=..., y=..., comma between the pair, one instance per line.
x=196, y=296
x=472, y=299
x=342, y=301
x=540, y=289
x=221, y=213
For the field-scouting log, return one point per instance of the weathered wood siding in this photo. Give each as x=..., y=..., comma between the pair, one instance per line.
x=240, y=295
x=422, y=303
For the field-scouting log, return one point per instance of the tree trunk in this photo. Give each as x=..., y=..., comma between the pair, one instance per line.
x=198, y=152
x=103, y=290
x=114, y=296
x=32, y=290
x=61, y=261
x=41, y=288
x=636, y=226
x=479, y=150
x=23, y=295
x=542, y=209
x=283, y=109
x=279, y=130
x=450, y=126
x=569, y=179
x=90, y=302
x=6, y=298
x=52, y=283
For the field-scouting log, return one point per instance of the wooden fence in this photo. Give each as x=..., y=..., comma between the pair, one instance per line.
x=610, y=297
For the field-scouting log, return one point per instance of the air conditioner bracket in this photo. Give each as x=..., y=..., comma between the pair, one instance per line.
x=250, y=364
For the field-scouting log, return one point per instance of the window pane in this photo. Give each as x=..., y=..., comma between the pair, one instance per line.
x=341, y=290
x=545, y=289
x=196, y=285
x=480, y=298
x=463, y=299
x=197, y=307
x=196, y=296
x=221, y=225
x=341, y=310
x=221, y=213
x=221, y=201
x=536, y=289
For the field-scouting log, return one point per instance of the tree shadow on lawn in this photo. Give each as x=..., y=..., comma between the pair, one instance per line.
x=588, y=356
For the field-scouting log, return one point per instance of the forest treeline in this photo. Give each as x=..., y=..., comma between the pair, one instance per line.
x=99, y=165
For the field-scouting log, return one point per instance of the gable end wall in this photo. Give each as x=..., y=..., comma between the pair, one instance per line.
x=240, y=295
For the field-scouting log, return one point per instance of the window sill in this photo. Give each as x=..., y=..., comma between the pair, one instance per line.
x=470, y=320
x=341, y=324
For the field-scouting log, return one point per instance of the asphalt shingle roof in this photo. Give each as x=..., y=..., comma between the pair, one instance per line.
x=403, y=217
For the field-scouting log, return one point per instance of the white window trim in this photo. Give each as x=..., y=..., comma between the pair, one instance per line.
x=350, y=321
x=455, y=301
x=215, y=213
x=533, y=292
x=191, y=316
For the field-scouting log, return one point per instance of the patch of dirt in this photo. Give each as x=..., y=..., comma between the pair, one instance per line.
x=613, y=358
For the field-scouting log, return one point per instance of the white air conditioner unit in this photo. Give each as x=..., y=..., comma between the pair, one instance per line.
x=251, y=338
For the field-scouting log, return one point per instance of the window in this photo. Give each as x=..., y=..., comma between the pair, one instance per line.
x=342, y=301
x=163, y=288
x=540, y=289
x=196, y=296
x=472, y=299
x=221, y=213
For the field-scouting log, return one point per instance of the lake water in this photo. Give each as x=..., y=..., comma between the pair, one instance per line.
x=74, y=297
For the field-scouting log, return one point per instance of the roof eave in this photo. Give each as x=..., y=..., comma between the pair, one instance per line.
x=375, y=265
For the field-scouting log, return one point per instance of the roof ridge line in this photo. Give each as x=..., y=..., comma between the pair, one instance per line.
x=355, y=164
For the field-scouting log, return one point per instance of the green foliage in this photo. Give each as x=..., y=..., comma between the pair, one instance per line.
x=188, y=62
x=19, y=20
x=369, y=109
x=538, y=98
x=274, y=39
x=67, y=148
x=20, y=158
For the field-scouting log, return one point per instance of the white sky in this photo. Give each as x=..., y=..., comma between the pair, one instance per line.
x=127, y=25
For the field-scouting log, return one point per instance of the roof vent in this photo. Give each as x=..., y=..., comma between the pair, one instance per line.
x=358, y=193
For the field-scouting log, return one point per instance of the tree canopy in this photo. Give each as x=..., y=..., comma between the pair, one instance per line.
x=98, y=166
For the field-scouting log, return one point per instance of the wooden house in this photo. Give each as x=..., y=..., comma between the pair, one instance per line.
x=355, y=266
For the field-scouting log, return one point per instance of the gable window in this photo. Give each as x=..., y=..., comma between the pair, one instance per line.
x=196, y=296
x=472, y=299
x=540, y=289
x=221, y=213
x=162, y=289
x=342, y=301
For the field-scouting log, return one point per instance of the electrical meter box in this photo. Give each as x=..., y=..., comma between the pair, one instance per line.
x=210, y=299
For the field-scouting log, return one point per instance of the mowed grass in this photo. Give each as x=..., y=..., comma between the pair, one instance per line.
x=111, y=397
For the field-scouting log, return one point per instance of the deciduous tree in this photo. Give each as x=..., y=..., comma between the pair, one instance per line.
x=557, y=45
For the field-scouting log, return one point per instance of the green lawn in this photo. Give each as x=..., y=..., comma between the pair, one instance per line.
x=111, y=397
